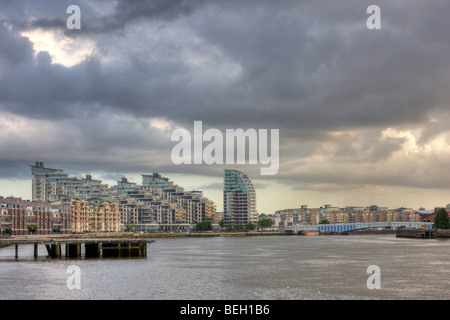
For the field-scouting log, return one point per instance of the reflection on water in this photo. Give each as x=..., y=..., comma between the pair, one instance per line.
x=253, y=268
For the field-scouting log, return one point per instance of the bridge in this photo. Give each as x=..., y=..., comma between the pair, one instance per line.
x=343, y=227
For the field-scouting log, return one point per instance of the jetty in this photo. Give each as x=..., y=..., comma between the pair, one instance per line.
x=59, y=247
x=416, y=233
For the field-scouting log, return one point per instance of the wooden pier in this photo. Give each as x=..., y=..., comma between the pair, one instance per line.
x=302, y=232
x=93, y=247
x=416, y=233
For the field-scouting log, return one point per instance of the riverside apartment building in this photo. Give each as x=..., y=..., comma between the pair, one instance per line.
x=49, y=217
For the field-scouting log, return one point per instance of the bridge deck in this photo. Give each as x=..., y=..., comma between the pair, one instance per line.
x=342, y=227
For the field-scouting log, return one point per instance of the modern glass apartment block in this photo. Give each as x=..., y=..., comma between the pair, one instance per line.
x=50, y=184
x=194, y=206
x=44, y=182
x=156, y=181
x=157, y=201
x=239, y=199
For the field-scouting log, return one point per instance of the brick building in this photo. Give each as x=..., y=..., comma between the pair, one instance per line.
x=49, y=218
x=430, y=217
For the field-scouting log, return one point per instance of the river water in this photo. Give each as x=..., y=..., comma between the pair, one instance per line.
x=250, y=268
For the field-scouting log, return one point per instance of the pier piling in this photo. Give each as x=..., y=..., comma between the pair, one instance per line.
x=92, y=250
x=73, y=250
x=94, y=247
x=55, y=251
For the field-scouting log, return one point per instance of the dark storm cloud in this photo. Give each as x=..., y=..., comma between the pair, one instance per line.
x=309, y=68
x=127, y=12
x=301, y=64
x=97, y=16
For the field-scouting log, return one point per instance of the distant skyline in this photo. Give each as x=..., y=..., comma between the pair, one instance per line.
x=362, y=114
x=212, y=188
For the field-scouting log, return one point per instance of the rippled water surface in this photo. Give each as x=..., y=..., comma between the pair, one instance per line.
x=253, y=268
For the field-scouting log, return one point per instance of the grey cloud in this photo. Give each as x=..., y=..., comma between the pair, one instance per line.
x=368, y=146
x=127, y=12
x=215, y=185
x=109, y=143
x=15, y=168
x=433, y=128
x=97, y=17
x=219, y=186
x=309, y=68
x=289, y=76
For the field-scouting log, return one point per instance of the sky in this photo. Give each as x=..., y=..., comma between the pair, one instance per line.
x=363, y=114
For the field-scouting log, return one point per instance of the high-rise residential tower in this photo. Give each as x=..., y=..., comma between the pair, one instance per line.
x=239, y=199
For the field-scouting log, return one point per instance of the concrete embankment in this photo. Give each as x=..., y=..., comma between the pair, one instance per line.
x=177, y=234
x=208, y=234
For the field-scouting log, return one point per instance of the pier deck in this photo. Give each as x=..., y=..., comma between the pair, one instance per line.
x=416, y=233
x=94, y=247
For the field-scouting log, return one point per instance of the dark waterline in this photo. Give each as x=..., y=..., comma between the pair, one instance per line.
x=250, y=268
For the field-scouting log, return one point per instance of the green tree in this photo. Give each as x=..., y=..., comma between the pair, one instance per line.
x=250, y=226
x=32, y=228
x=204, y=226
x=238, y=227
x=267, y=222
x=8, y=230
x=221, y=223
x=325, y=221
x=441, y=220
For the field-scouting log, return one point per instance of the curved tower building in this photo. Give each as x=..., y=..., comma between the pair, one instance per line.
x=239, y=199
